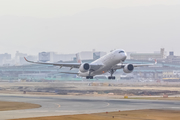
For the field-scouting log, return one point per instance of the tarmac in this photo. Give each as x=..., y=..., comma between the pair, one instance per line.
x=68, y=105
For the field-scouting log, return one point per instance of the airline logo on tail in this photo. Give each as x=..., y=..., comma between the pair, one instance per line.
x=155, y=61
x=78, y=58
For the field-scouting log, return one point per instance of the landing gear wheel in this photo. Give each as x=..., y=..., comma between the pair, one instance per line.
x=89, y=77
x=111, y=72
x=111, y=77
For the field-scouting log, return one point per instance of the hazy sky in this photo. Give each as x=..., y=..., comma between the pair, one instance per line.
x=56, y=8
x=68, y=26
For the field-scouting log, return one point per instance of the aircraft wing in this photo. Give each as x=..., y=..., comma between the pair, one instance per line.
x=120, y=66
x=142, y=65
x=72, y=65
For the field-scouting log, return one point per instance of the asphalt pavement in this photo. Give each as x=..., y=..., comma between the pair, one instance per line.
x=68, y=105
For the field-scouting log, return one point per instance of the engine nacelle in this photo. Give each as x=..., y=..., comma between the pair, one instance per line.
x=84, y=67
x=128, y=68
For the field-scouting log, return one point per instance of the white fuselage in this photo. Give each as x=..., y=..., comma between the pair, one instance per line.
x=107, y=62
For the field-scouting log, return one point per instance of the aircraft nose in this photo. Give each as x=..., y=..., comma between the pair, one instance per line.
x=124, y=56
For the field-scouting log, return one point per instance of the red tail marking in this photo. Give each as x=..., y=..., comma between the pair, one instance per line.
x=25, y=59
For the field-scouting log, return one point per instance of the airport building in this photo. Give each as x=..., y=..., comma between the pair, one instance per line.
x=149, y=56
x=5, y=58
x=55, y=57
x=172, y=58
x=171, y=74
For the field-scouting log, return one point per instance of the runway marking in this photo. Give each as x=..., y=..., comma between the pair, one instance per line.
x=107, y=104
x=174, y=107
x=58, y=105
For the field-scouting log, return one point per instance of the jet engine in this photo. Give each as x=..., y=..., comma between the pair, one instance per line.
x=128, y=68
x=84, y=67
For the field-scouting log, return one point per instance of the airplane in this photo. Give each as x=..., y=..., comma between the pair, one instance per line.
x=107, y=63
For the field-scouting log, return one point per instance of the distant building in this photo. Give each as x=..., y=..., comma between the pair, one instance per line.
x=54, y=57
x=4, y=58
x=148, y=56
x=63, y=57
x=91, y=55
x=129, y=54
x=18, y=57
x=30, y=57
x=170, y=74
x=84, y=55
x=18, y=54
x=44, y=56
x=172, y=58
x=97, y=55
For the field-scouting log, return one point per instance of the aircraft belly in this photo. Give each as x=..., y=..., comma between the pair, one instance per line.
x=108, y=65
x=101, y=70
x=83, y=74
x=98, y=70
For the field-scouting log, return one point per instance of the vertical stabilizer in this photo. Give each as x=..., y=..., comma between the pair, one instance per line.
x=155, y=62
x=78, y=58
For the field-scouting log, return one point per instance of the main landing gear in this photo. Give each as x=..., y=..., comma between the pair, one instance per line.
x=111, y=72
x=111, y=77
x=89, y=77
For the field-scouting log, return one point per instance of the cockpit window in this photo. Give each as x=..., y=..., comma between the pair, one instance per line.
x=121, y=51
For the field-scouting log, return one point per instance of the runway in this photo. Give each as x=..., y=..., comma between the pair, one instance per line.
x=66, y=105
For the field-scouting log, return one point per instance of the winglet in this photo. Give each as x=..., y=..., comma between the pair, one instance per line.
x=25, y=59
